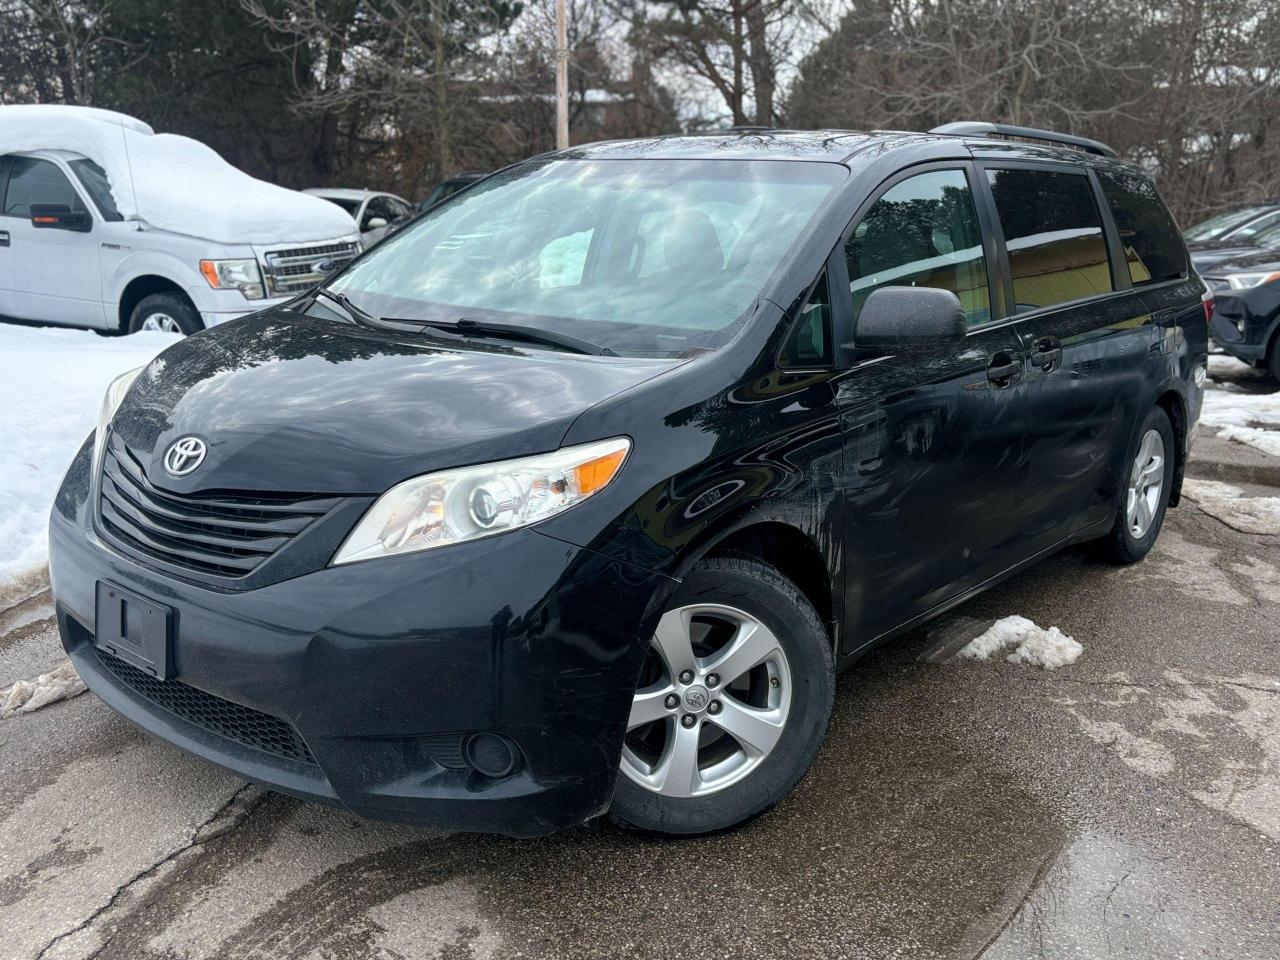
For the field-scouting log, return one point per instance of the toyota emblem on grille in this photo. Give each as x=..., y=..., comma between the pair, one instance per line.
x=184, y=455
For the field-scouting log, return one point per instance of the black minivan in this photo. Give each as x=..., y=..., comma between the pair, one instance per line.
x=573, y=496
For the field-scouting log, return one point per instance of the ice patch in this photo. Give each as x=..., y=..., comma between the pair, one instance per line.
x=24, y=696
x=1229, y=504
x=1250, y=418
x=172, y=182
x=1030, y=644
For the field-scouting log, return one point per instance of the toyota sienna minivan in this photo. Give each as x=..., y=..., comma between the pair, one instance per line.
x=572, y=497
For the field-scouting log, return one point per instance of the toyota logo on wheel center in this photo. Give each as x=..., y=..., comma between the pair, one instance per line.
x=695, y=698
x=184, y=455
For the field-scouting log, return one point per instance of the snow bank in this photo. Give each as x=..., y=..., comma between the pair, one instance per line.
x=174, y=183
x=51, y=385
x=1251, y=418
x=1230, y=505
x=24, y=696
x=1031, y=645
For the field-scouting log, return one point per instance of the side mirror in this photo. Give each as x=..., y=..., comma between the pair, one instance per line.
x=900, y=319
x=375, y=223
x=59, y=216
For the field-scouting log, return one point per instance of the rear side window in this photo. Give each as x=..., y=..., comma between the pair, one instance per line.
x=922, y=233
x=1053, y=232
x=37, y=181
x=1151, y=244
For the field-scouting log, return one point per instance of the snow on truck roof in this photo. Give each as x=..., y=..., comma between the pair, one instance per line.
x=173, y=182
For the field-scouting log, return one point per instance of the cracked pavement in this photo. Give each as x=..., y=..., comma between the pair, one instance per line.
x=1126, y=805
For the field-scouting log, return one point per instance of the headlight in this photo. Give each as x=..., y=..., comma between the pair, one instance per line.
x=453, y=506
x=242, y=275
x=1247, y=281
x=110, y=404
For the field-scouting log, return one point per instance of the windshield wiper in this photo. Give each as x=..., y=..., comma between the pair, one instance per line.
x=342, y=300
x=515, y=331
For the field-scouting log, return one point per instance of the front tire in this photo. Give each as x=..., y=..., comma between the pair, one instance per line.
x=1144, y=499
x=731, y=706
x=168, y=312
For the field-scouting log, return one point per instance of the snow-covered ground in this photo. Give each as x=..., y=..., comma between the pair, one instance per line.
x=1233, y=507
x=51, y=384
x=1234, y=408
x=1024, y=642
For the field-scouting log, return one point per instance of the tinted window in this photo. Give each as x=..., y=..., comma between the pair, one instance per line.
x=37, y=181
x=1151, y=244
x=1053, y=233
x=94, y=179
x=809, y=343
x=923, y=232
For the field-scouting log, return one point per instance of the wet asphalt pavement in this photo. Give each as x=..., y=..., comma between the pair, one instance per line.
x=1128, y=805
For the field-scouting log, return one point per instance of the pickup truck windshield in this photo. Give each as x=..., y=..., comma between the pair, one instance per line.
x=644, y=257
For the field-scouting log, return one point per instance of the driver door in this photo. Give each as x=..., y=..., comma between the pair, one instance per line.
x=933, y=435
x=45, y=274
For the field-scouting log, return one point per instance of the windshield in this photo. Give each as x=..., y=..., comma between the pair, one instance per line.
x=1215, y=226
x=644, y=257
x=1253, y=231
x=351, y=206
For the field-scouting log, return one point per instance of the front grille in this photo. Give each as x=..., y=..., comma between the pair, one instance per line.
x=294, y=270
x=225, y=534
x=244, y=725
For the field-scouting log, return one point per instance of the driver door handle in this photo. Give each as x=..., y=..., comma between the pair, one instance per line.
x=1003, y=369
x=1046, y=353
x=4, y=238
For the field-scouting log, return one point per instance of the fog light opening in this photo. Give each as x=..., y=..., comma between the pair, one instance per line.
x=492, y=754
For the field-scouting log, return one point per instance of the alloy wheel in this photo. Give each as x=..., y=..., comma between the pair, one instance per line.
x=1146, y=483
x=713, y=700
x=162, y=322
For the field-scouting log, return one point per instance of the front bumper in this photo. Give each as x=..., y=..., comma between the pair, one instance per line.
x=379, y=666
x=1231, y=340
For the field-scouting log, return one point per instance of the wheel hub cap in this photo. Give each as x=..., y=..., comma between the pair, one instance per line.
x=687, y=739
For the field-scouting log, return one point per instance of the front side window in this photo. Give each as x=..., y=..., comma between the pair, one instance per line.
x=923, y=232
x=1053, y=232
x=94, y=179
x=645, y=257
x=37, y=181
x=1150, y=237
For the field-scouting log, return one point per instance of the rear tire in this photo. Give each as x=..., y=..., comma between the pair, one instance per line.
x=1272, y=364
x=756, y=730
x=169, y=312
x=1144, y=495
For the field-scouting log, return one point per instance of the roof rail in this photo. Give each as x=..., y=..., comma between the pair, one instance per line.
x=978, y=128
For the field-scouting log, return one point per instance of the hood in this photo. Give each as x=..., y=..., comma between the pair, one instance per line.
x=1252, y=260
x=1203, y=256
x=294, y=404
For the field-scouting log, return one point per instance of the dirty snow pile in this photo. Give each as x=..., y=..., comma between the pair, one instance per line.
x=173, y=183
x=51, y=386
x=1249, y=418
x=1029, y=644
x=1233, y=507
x=24, y=696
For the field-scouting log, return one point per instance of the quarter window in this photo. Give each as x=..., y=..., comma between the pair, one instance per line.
x=37, y=181
x=809, y=343
x=1053, y=232
x=1152, y=248
x=923, y=232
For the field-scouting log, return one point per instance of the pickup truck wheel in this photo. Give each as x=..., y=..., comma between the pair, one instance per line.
x=170, y=312
x=731, y=705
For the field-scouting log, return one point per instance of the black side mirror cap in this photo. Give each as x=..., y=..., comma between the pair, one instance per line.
x=898, y=319
x=59, y=216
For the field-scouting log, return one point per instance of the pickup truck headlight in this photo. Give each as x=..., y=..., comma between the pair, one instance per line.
x=111, y=401
x=452, y=506
x=1247, y=281
x=242, y=275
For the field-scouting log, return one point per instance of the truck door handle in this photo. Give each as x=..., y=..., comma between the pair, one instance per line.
x=1047, y=353
x=4, y=238
x=1003, y=369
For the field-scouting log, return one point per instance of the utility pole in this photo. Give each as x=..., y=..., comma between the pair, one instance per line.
x=562, y=77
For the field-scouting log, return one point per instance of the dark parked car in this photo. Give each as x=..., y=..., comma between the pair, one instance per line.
x=1206, y=256
x=1246, y=315
x=447, y=188
x=573, y=496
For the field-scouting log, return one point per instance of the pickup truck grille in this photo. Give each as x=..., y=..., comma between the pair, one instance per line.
x=223, y=535
x=295, y=270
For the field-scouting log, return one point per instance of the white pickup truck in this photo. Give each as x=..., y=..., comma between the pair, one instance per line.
x=106, y=224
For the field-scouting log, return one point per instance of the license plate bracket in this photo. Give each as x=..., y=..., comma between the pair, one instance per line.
x=137, y=630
